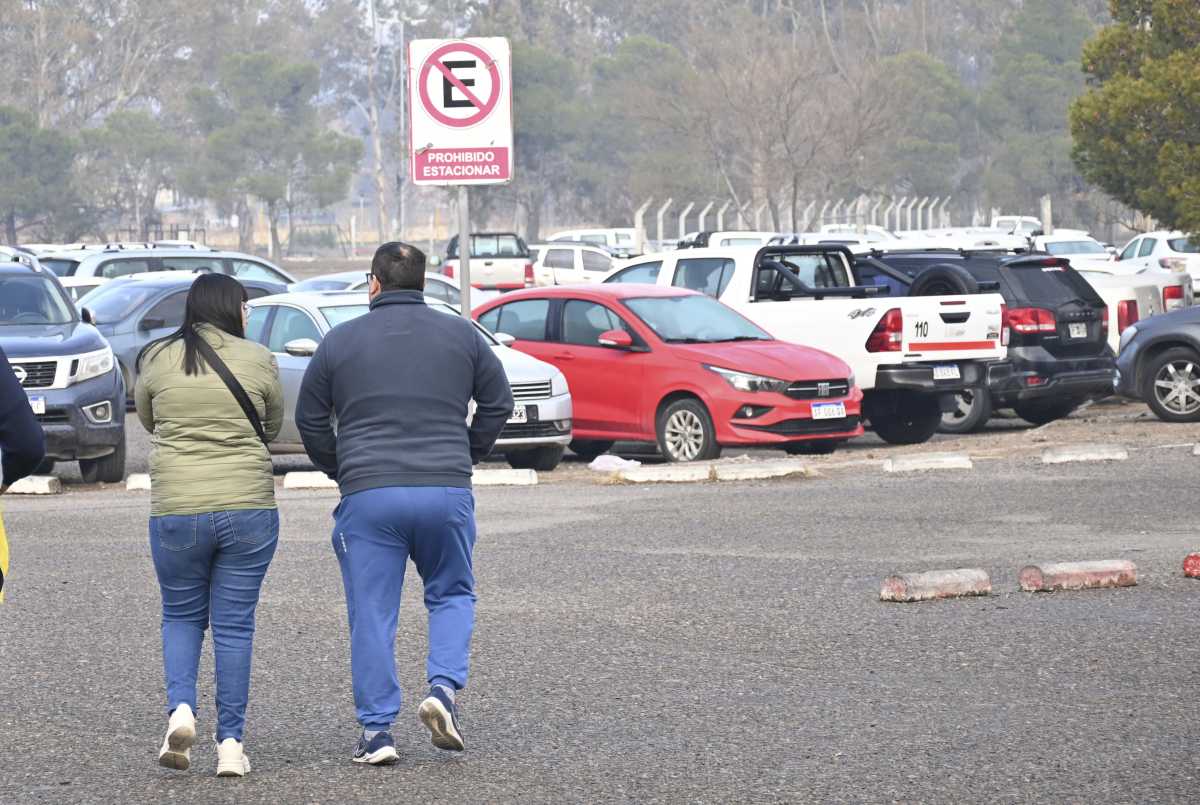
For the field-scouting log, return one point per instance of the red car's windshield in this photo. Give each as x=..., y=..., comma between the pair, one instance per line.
x=694, y=320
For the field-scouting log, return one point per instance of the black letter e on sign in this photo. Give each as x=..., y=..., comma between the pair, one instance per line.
x=447, y=101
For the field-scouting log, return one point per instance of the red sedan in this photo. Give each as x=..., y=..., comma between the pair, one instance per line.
x=649, y=363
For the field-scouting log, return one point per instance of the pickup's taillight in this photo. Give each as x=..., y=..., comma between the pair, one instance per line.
x=1005, y=326
x=1127, y=314
x=449, y=270
x=888, y=333
x=1172, y=297
x=529, y=281
x=1030, y=320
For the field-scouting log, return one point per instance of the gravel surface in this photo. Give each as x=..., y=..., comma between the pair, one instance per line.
x=700, y=643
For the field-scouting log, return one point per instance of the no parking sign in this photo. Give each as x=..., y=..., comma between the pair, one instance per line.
x=460, y=97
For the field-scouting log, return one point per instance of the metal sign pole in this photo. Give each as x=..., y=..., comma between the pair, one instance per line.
x=464, y=250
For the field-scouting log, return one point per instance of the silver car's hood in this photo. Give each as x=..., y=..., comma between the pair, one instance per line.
x=522, y=368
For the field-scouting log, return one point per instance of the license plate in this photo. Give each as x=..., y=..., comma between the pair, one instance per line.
x=829, y=411
x=1078, y=330
x=519, y=416
x=947, y=372
x=38, y=404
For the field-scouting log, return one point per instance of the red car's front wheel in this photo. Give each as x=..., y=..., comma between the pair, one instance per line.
x=686, y=432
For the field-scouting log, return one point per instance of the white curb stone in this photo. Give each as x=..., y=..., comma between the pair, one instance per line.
x=138, y=482
x=759, y=471
x=667, y=474
x=921, y=462
x=908, y=587
x=1196, y=449
x=504, y=478
x=37, y=485
x=1084, y=452
x=308, y=480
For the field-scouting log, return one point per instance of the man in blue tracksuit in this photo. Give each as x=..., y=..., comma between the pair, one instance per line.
x=397, y=382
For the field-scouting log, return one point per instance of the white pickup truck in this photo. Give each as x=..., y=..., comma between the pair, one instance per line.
x=910, y=354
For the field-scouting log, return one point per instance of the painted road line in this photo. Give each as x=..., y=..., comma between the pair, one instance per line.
x=921, y=462
x=934, y=584
x=1084, y=452
x=1077, y=575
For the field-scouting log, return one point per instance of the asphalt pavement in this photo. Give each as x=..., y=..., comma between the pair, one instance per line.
x=683, y=643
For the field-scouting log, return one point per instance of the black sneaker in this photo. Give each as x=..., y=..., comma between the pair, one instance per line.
x=439, y=714
x=379, y=751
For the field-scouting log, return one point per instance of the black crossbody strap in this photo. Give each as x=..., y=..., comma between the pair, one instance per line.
x=239, y=393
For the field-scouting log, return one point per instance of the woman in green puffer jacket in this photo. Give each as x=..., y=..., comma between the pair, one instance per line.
x=213, y=521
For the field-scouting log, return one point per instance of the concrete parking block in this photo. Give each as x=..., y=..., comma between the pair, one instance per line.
x=1191, y=566
x=761, y=470
x=920, y=462
x=308, y=480
x=934, y=584
x=1196, y=449
x=1084, y=452
x=138, y=482
x=1077, y=575
x=504, y=478
x=667, y=474
x=37, y=485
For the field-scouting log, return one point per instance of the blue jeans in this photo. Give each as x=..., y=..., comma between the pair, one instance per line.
x=210, y=569
x=375, y=532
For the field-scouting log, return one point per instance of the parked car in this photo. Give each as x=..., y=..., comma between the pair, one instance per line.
x=119, y=261
x=1055, y=325
x=1017, y=224
x=1170, y=251
x=499, y=261
x=1081, y=249
x=134, y=310
x=569, y=263
x=911, y=354
x=79, y=287
x=437, y=286
x=1128, y=300
x=292, y=325
x=67, y=369
x=731, y=237
x=675, y=367
x=619, y=241
x=1159, y=363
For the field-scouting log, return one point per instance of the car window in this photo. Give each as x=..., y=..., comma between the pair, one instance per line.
x=290, y=324
x=60, y=266
x=583, y=322
x=123, y=268
x=524, y=320
x=322, y=284
x=624, y=237
x=444, y=292
x=708, y=275
x=593, y=261
x=257, y=293
x=646, y=273
x=336, y=314
x=817, y=270
x=169, y=309
x=33, y=300
x=1182, y=245
x=1050, y=286
x=560, y=258
x=250, y=270
x=1074, y=247
x=1130, y=250
x=113, y=302
x=1147, y=247
x=256, y=323
x=211, y=264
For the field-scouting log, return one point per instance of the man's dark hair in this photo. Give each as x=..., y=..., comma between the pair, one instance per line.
x=399, y=267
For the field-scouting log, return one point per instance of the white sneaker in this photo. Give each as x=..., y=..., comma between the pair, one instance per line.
x=176, y=752
x=231, y=760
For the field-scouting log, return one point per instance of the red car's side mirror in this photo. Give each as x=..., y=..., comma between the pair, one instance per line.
x=617, y=339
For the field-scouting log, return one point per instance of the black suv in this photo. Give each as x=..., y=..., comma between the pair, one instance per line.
x=67, y=369
x=1058, y=353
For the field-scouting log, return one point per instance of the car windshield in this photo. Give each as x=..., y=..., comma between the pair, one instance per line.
x=1075, y=247
x=693, y=320
x=323, y=284
x=113, y=301
x=1185, y=245
x=336, y=314
x=33, y=300
x=483, y=331
x=59, y=265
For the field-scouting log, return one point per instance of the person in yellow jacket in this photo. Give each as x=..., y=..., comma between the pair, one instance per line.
x=22, y=444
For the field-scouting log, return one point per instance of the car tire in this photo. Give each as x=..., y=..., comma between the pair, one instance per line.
x=1176, y=366
x=912, y=420
x=1043, y=412
x=542, y=459
x=686, y=433
x=108, y=469
x=944, y=279
x=813, y=447
x=972, y=412
x=588, y=449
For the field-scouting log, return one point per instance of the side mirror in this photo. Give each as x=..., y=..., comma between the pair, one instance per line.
x=616, y=339
x=87, y=316
x=300, y=347
x=505, y=339
x=152, y=324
